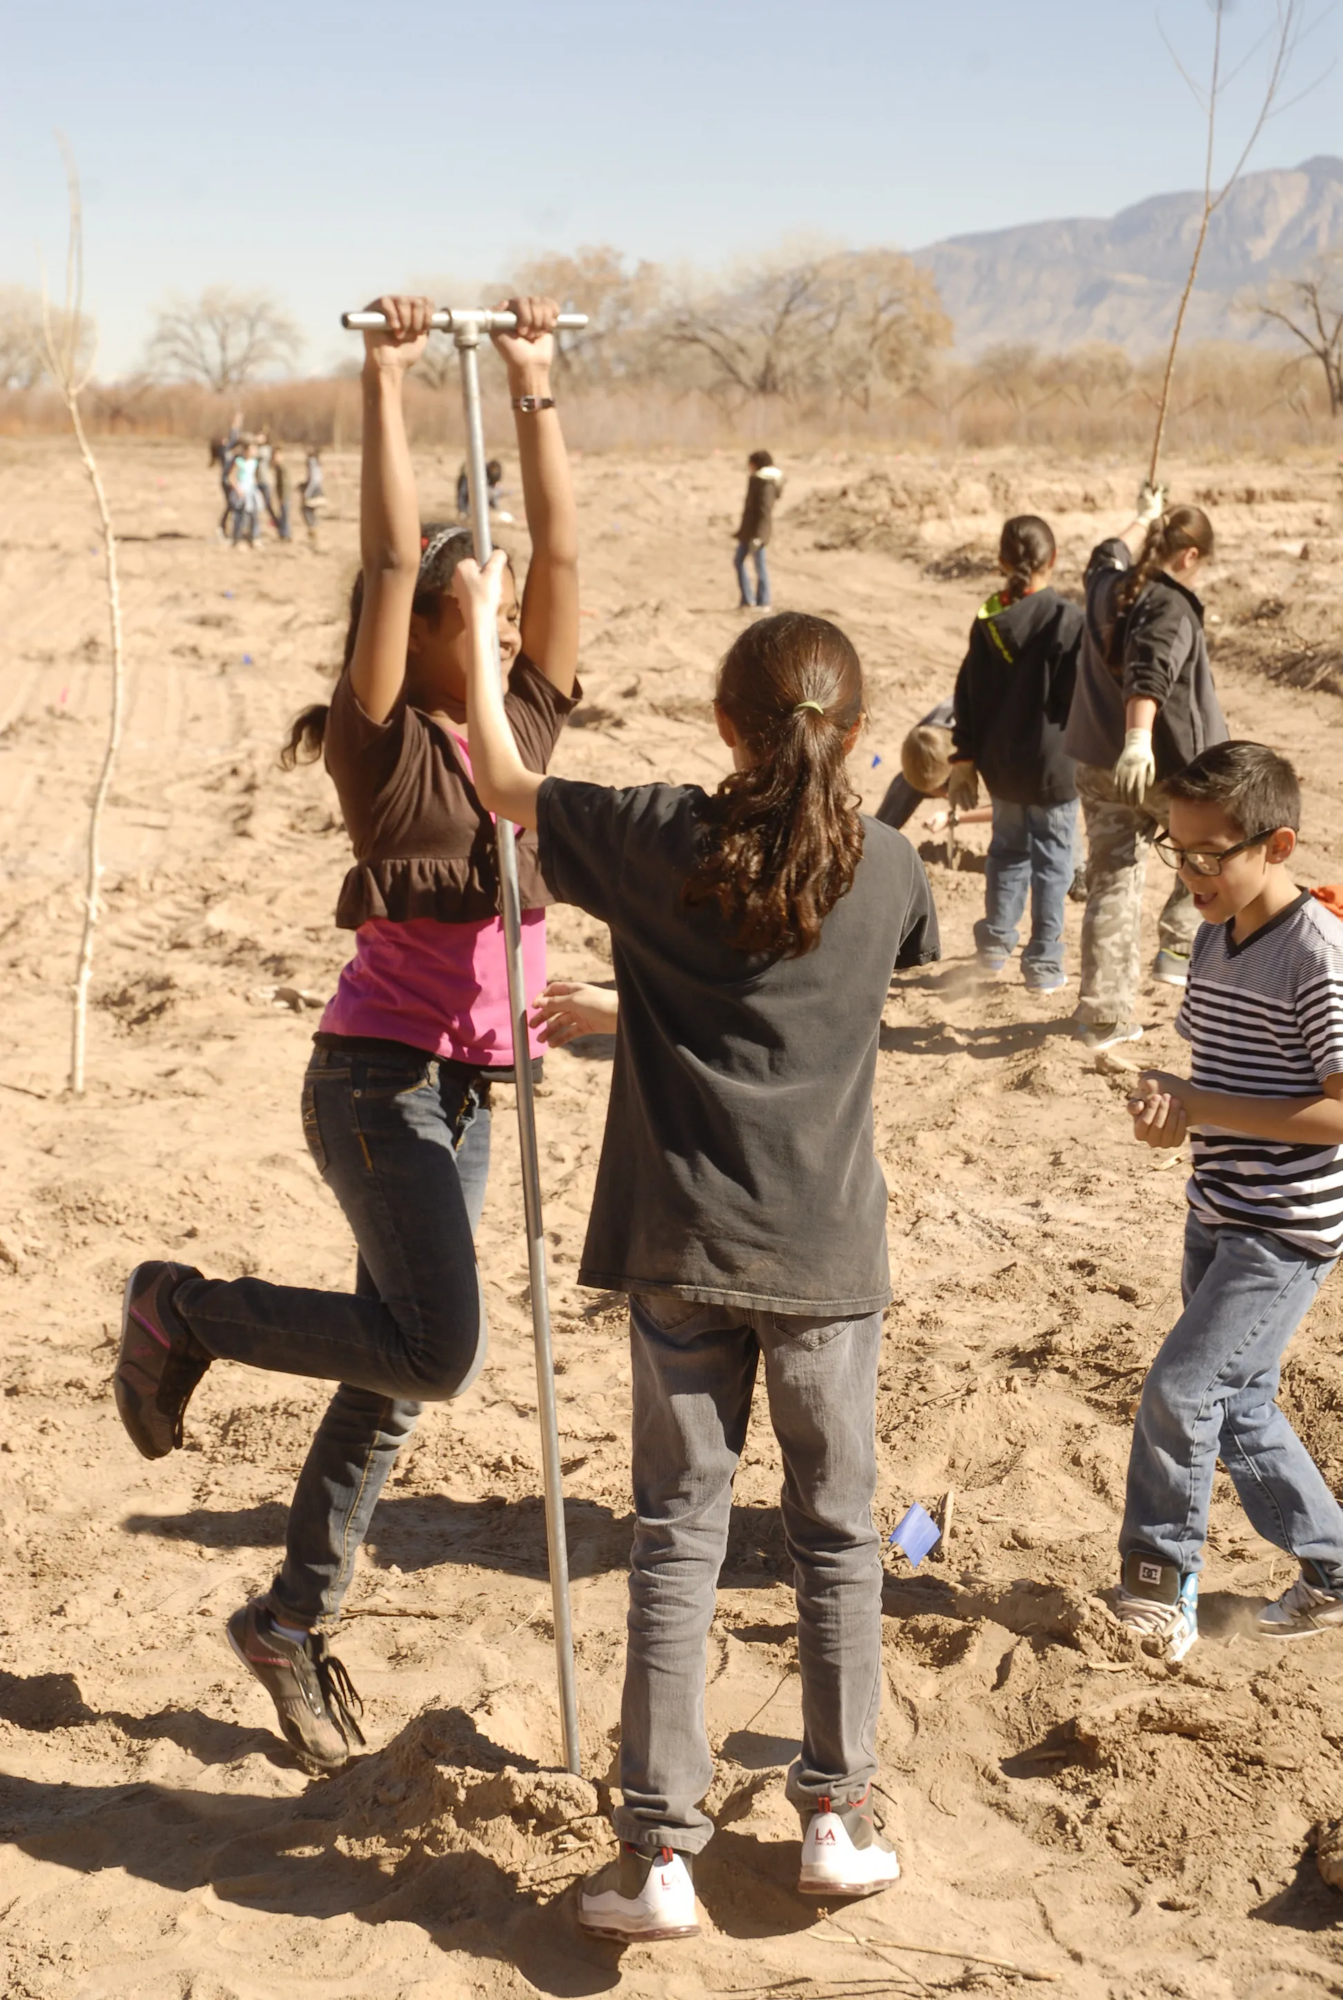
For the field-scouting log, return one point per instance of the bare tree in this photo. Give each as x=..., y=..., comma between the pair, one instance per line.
x=840, y=323
x=1281, y=40
x=621, y=306
x=222, y=339
x=62, y=353
x=22, y=352
x=1312, y=309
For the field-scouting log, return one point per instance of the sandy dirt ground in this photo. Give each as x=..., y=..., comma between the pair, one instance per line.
x=1061, y=1804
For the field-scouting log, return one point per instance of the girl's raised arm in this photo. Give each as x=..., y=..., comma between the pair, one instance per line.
x=502, y=781
x=389, y=516
x=550, y=599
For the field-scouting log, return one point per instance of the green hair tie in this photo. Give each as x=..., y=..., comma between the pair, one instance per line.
x=820, y=710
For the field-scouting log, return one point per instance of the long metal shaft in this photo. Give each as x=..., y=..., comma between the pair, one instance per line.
x=467, y=337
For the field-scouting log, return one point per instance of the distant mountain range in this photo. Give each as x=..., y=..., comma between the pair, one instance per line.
x=1060, y=284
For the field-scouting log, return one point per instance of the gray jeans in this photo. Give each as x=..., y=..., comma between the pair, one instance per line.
x=694, y=1370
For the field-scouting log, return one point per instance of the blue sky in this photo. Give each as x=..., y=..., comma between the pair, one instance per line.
x=325, y=151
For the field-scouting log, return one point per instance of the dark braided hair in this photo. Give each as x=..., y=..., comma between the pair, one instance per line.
x=1178, y=528
x=1027, y=546
x=784, y=839
x=442, y=547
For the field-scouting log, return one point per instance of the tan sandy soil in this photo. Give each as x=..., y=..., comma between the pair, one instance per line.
x=1059, y=1803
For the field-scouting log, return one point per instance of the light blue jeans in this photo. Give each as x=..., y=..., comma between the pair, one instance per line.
x=694, y=1369
x=1030, y=854
x=1210, y=1393
x=761, y=596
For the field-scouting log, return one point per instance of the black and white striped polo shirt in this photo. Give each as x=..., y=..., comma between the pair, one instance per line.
x=1266, y=1020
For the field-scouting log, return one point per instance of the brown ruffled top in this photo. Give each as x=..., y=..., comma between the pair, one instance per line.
x=423, y=843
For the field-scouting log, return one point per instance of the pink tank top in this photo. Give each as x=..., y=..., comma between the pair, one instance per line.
x=439, y=987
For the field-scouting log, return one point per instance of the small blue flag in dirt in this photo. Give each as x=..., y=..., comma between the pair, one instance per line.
x=247, y=659
x=915, y=1533
x=875, y=762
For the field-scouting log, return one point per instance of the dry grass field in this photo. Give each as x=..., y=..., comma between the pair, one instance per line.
x=1062, y=1804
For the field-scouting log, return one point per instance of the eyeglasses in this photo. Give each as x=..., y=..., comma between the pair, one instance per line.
x=1205, y=860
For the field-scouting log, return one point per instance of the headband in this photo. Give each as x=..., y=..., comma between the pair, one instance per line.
x=429, y=549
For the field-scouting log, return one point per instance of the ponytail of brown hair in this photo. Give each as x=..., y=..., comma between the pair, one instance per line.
x=784, y=839
x=1178, y=528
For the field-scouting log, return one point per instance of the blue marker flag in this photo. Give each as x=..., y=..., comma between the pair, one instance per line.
x=875, y=762
x=915, y=1533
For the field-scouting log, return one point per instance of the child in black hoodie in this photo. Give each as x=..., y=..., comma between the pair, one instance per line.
x=1012, y=699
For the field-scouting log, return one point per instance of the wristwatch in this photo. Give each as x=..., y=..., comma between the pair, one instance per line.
x=527, y=404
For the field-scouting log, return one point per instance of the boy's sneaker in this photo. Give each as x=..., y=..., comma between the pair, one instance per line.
x=843, y=1854
x=314, y=1697
x=1044, y=982
x=640, y=1896
x=1159, y=1604
x=990, y=963
x=160, y=1361
x=1172, y=967
x=1098, y=1035
x=1302, y=1612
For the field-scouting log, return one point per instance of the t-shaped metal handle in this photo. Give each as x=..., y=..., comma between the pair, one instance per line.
x=465, y=323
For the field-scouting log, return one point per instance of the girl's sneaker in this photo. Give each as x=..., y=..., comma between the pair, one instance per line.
x=1159, y=1604
x=1044, y=982
x=160, y=1360
x=990, y=963
x=1098, y=1035
x=315, y=1700
x=640, y=1896
x=1301, y=1612
x=843, y=1854
x=1172, y=967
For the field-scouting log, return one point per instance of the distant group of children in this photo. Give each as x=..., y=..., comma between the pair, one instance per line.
x=254, y=474
x=1054, y=702
x=739, y=1202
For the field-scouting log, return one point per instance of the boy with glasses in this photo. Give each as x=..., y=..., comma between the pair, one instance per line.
x=1264, y=1107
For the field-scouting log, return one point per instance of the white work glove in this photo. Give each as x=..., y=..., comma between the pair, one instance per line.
x=1151, y=503
x=963, y=788
x=1135, y=773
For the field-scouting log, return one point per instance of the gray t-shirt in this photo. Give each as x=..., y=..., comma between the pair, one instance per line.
x=737, y=1165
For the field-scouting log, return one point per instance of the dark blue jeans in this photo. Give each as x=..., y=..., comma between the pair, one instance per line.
x=1030, y=854
x=403, y=1142
x=761, y=596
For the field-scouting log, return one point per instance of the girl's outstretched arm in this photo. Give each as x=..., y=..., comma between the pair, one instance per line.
x=502, y=781
x=389, y=515
x=550, y=599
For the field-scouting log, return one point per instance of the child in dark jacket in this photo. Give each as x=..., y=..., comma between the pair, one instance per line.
x=757, y=515
x=1012, y=699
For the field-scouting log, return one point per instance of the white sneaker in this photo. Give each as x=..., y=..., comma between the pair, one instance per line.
x=843, y=1854
x=1159, y=1604
x=644, y=1896
x=1302, y=1612
x=1099, y=1035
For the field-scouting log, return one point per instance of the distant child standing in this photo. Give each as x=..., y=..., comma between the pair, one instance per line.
x=1145, y=704
x=1012, y=698
x=1264, y=1102
x=757, y=516
x=280, y=472
x=740, y=1204
x=246, y=499
x=313, y=494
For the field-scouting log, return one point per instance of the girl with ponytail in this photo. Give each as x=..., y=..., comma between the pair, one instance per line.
x=1144, y=707
x=1012, y=699
x=740, y=1205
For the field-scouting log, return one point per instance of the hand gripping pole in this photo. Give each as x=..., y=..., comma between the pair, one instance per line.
x=466, y=327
